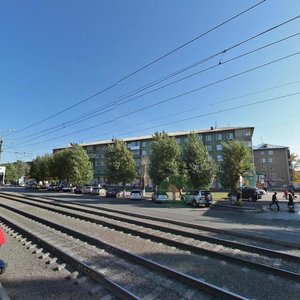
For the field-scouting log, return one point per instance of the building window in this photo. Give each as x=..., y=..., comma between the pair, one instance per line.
x=144, y=153
x=270, y=152
x=219, y=137
x=273, y=175
x=219, y=158
x=208, y=138
x=219, y=147
x=143, y=144
x=262, y=152
x=262, y=160
x=230, y=136
x=200, y=136
x=271, y=159
x=263, y=168
x=272, y=168
x=209, y=147
x=178, y=141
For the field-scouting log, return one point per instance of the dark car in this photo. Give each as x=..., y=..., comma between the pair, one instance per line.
x=111, y=193
x=251, y=193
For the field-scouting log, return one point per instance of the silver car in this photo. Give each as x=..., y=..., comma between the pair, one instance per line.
x=197, y=197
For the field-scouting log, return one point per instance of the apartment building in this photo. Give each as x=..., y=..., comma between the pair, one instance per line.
x=140, y=148
x=273, y=166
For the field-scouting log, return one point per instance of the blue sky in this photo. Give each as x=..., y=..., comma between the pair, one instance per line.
x=83, y=71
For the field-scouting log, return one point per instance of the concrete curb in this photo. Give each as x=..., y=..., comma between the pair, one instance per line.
x=3, y=294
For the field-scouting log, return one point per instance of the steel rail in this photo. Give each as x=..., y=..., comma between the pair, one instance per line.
x=191, y=248
x=84, y=268
x=179, y=223
x=196, y=236
x=184, y=278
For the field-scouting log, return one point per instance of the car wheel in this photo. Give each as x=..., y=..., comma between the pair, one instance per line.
x=250, y=198
x=207, y=204
x=194, y=203
x=182, y=199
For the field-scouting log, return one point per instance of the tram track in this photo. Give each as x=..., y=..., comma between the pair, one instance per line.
x=186, y=245
x=85, y=265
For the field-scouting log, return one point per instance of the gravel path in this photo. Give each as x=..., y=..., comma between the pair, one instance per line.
x=28, y=278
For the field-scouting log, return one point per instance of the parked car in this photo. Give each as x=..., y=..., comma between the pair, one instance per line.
x=262, y=191
x=197, y=197
x=99, y=191
x=87, y=189
x=111, y=193
x=52, y=187
x=136, y=195
x=68, y=189
x=251, y=193
x=78, y=189
x=159, y=197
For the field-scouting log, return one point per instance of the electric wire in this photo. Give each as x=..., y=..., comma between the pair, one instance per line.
x=143, y=67
x=106, y=108
x=174, y=97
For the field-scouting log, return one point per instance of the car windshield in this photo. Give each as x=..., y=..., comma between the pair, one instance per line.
x=135, y=192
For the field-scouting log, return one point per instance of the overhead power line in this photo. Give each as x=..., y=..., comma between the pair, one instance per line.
x=171, y=98
x=116, y=103
x=143, y=67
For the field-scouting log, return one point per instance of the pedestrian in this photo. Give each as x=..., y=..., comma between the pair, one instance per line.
x=3, y=264
x=274, y=201
x=291, y=203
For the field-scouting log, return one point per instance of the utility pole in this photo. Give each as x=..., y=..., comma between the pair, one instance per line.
x=1, y=142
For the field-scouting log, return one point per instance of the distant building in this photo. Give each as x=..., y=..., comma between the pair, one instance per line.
x=273, y=166
x=140, y=149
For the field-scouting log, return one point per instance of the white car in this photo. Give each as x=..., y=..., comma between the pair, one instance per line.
x=135, y=195
x=99, y=191
x=197, y=197
x=160, y=197
x=87, y=189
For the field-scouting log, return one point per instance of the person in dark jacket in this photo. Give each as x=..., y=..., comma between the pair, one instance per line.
x=274, y=201
x=291, y=202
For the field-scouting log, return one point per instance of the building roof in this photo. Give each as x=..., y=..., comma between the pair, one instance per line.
x=268, y=146
x=176, y=133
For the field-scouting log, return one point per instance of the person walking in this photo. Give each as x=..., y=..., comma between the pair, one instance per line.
x=274, y=201
x=3, y=264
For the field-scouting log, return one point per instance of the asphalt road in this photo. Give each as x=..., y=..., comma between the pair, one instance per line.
x=252, y=218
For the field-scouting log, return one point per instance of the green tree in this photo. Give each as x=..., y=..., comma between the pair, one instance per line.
x=72, y=165
x=22, y=169
x=120, y=164
x=295, y=165
x=11, y=173
x=237, y=161
x=40, y=168
x=164, y=155
x=199, y=167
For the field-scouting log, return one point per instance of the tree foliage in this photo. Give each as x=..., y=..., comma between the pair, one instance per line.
x=120, y=163
x=15, y=171
x=164, y=155
x=199, y=167
x=237, y=161
x=10, y=173
x=40, y=168
x=295, y=166
x=72, y=165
